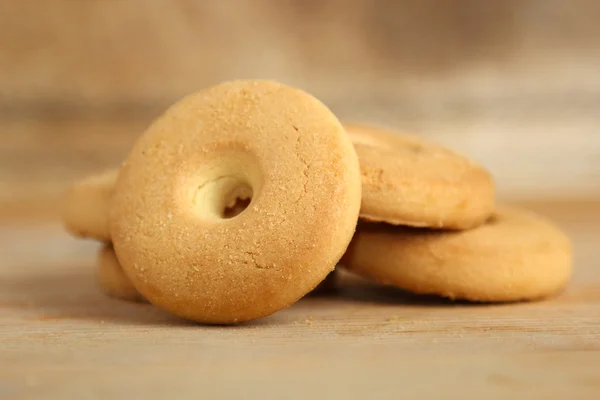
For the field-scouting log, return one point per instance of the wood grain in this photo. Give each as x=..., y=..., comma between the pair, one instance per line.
x=61, y=338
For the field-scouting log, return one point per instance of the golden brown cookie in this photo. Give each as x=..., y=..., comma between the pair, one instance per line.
x=111, y=277
x=408, y=181
x=275, y=144
x=516, y=255
x=116, y=284
x=85, y=206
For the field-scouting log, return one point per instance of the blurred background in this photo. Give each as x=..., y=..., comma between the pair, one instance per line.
x=514, y=84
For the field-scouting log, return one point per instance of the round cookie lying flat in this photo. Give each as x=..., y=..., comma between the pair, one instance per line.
x=86, y=203
x=516, y=255
x=112, y=279
x=408, y=181
x=278, y=146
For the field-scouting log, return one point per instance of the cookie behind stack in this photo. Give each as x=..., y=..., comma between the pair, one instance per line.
x=438, y=229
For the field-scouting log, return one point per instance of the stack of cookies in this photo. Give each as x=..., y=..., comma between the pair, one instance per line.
x=429, y=225
x=242, y=198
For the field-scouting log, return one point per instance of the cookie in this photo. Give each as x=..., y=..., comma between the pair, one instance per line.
x=116, y=284
x=85, y=206
x=516, y=255
x=276, y=145
x=112, y=279
x=408, y=181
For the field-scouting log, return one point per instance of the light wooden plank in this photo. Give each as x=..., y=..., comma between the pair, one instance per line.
x=61, y=338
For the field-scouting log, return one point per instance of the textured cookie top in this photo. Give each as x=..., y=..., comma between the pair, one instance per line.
x=262, y=140
x=409, y=181
x=516, y=255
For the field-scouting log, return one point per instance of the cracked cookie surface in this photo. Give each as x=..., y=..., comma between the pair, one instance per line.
x=291, y=158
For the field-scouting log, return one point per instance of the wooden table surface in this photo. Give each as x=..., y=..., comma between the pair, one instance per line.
x=61, y=338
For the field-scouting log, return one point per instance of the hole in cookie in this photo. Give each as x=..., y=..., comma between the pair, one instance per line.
x=237, y=202
x=223, y=197
x=227, y=181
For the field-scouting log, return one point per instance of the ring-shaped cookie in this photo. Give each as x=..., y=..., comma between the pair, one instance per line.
x=86, y=204
x=409, y=181
x=516, y=255
x=259, y=139
x=112, y=279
